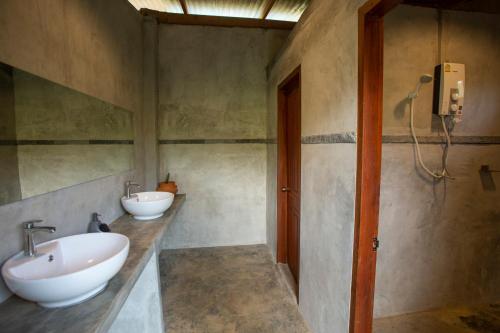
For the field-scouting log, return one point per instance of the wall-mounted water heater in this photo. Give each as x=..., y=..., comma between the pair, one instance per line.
x=449, y=90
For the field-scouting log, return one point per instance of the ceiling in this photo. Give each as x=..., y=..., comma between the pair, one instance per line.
x=282, y=10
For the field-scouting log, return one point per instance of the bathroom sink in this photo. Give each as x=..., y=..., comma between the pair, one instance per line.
x=148, y=205
x=67, y=270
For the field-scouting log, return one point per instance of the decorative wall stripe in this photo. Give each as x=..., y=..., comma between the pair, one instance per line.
x=348, y=137
x=63, y=142
x=433, y=139
x=211, y=141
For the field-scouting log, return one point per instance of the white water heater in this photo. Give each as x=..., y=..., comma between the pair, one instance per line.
x=449, y=90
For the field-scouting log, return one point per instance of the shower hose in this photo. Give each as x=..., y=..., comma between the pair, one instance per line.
x=438, y=174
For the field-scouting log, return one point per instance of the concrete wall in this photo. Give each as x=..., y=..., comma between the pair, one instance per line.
x=324, y=44
x=143, y=309
x=91, y=46
x=9, y=171
x=150, y=103
x=48, y=111
x=212, y=86
x=440, y=240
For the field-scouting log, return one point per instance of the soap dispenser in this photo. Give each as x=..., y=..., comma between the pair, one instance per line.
x=96, y=225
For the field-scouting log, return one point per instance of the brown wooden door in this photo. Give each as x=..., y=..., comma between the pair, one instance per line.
x=289, y=144
x=292, y=188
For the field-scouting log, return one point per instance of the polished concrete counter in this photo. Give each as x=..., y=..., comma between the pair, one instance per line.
x=98, y=313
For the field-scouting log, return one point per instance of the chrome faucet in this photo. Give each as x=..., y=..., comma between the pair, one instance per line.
x=30, y=228
x=128, y=185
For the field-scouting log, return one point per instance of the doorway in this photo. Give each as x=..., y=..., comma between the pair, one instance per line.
x=289, y=174
x=369, y=147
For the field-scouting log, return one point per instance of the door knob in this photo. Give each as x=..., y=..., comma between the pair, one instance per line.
x=285, y=189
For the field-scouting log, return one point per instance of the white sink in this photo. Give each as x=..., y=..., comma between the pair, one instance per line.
x=67, y=270
x=148, y=205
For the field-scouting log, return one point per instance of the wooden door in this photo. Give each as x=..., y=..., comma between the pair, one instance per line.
x=289, y=144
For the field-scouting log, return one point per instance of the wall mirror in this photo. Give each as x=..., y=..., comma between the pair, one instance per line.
x=52, y=137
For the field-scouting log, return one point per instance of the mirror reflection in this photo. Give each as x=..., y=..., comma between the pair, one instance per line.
x=53, y=137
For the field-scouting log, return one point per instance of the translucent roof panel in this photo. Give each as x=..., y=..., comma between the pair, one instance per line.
x=171, y=6
x=233, y=8
x=283, y=10
x=287, y=10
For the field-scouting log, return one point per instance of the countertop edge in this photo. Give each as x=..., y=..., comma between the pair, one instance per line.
x=124, y=292
x=97, y=314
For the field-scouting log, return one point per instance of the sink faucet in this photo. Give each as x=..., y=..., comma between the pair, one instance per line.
x=128, y=185
x=29, y=228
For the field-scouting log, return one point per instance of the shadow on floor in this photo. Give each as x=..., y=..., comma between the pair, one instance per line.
x=481, y=319
x=226, y=289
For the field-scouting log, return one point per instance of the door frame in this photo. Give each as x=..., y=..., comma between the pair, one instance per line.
x=369, y=148
x=281, y=239
x=369, y=160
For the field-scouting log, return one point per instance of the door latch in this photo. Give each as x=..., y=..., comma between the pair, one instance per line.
x=375, y=244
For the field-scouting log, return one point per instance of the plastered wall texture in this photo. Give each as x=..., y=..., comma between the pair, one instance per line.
x=48, y=111
x=439, y=241
x=213, y=81
x=226, y=194
x=90, y=46
x=150, y=103
x=9, y=172
x=324, y=44
x=44, y=169
x=212, y=86
x=142, y=311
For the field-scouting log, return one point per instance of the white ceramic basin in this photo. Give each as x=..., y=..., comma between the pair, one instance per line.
x=67, y=270
x=148, y=205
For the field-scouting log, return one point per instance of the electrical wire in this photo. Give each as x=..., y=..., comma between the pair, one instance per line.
x=444, y=172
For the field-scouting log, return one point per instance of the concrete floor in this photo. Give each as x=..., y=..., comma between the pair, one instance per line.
x=226, y=289
x=481, y=319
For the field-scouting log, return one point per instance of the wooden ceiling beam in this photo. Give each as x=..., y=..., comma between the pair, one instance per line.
x=217, y=21
x=483, y=6
x=267, y=8
x=184, y=6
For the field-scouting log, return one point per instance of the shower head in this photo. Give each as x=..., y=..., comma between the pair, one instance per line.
x=426, y=78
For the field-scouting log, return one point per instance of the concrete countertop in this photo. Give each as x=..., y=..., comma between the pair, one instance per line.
x=98, y=313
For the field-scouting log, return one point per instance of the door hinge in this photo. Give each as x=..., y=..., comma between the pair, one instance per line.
x=375, y=244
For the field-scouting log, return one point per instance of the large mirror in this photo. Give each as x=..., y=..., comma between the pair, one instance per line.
x=53, y=137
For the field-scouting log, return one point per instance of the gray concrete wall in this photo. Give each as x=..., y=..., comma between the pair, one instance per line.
x=225, y=186
x=91, y=46
x=48, y=168
x=439, y=240
x=143, y=309
x=48, y=111
x=324, y=44
x=410, y=50
x=9, y=172
x=150, y=103
x=212, y=86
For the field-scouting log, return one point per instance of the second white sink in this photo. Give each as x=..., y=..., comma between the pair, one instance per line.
x=67, y=270
x=148, y=205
